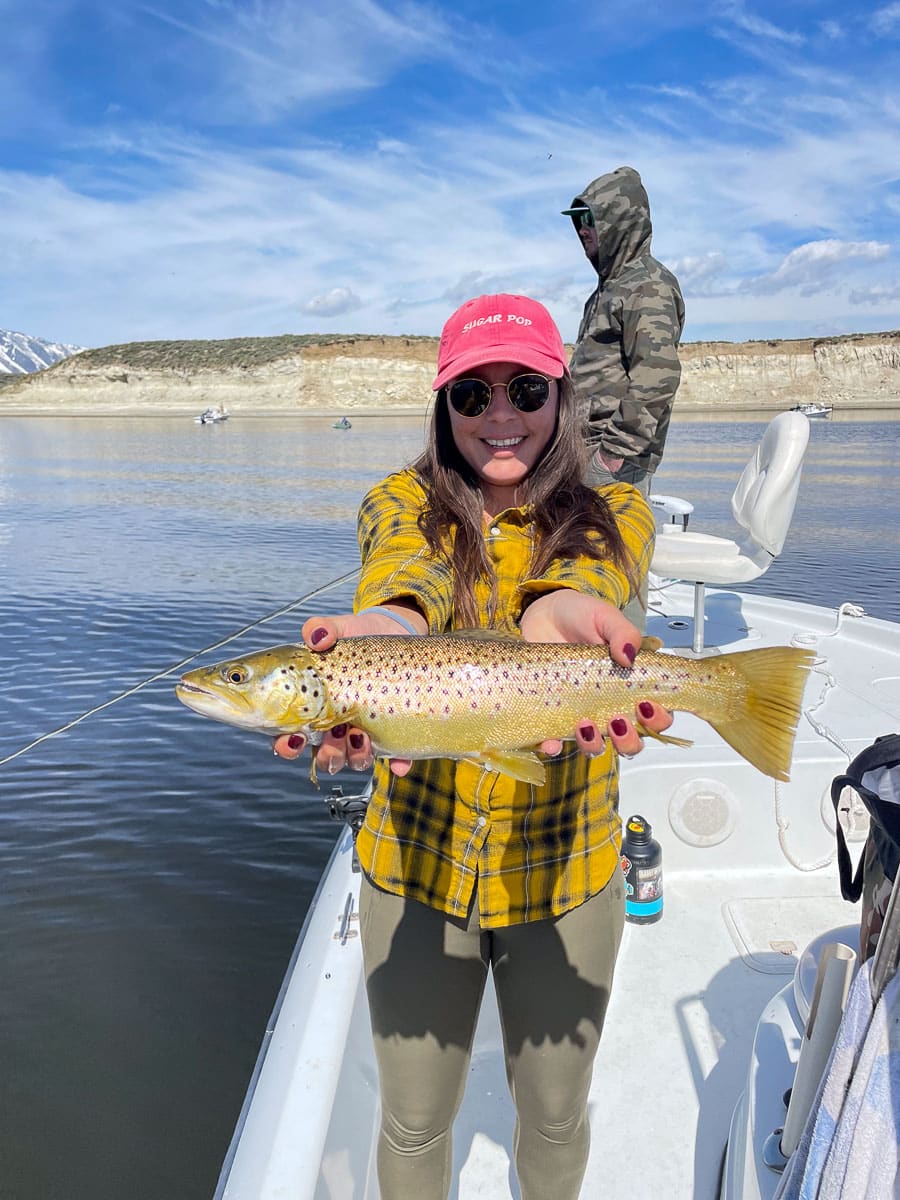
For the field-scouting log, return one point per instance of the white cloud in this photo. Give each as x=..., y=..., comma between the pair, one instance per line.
x=334, y=303
x=812, y=267
x=760, y=30
x=272, y=56
x=766, y=30
x=232, y=244
x=875, y=295
x=762, y=183
x=696, y=271
x=886, y=21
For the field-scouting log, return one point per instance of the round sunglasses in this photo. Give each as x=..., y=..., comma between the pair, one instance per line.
x=472, y=397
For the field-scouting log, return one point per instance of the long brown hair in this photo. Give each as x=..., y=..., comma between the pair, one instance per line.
x=570, y=519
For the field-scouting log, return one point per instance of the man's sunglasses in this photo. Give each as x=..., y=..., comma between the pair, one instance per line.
x=472, y=397
x=584, y=220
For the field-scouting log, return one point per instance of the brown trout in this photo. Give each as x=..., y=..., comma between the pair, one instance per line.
x=492, y=699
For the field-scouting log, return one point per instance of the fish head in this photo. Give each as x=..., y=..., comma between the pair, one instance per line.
x=269, y=691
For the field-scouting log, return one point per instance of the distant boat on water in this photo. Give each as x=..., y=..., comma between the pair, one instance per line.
x=211, y=416
x=343, y=423
x=813, y=409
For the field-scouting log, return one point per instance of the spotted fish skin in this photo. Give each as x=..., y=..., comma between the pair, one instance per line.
x=492, y=699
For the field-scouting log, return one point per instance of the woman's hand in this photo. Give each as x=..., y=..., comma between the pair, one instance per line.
x=569, y=616
x=345, y=745
x=620, y=730
x=320, y=633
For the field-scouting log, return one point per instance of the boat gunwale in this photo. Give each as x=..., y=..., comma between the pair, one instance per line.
x=271, y=1024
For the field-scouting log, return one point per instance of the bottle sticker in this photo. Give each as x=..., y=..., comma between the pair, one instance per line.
x=644, y=897
x=649, y=883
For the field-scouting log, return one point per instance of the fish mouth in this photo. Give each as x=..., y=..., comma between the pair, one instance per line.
x=183, y=686
x=231, y=710
x=204, y=699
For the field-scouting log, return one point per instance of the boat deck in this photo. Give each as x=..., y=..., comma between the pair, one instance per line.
x=749, y=883
x=676, y=1047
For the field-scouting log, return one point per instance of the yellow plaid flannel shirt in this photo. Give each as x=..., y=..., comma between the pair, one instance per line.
x=447, y=827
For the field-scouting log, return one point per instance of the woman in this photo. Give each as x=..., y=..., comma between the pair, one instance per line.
x=466, y=869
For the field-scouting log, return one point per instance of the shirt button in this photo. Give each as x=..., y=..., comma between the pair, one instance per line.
x=495, y=530
x=482, y=821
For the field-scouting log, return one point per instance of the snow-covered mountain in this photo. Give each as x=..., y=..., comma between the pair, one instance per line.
x=20, y=354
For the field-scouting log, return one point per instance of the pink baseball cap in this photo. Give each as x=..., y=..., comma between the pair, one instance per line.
x=500, y=329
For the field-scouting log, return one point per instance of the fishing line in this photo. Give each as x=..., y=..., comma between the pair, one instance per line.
x=232, y=637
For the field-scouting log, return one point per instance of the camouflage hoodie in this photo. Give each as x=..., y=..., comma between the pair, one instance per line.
x=625, y=365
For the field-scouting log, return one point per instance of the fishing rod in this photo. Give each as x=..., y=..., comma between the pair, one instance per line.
x=232, y=637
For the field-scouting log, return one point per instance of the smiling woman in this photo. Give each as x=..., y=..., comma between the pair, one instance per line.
x=491, y=861
x=502, y=441
x=501, y=418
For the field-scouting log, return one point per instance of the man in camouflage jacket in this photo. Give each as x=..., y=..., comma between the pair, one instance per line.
x=625, y=366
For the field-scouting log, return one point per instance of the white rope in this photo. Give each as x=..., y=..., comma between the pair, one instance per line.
x=823, y=731
x=177, y=666
x=847, y=609
x=658, y=583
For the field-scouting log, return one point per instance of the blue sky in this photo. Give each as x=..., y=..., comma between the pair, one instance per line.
x=228, y=168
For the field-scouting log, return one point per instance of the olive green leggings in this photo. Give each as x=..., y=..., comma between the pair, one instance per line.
x=425, y=976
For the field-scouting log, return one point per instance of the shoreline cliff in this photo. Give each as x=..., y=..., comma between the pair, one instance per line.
x=312, y=374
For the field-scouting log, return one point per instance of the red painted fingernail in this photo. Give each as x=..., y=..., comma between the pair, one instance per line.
x=618, y=727
x=645, y=708
x=356, y=741
x=629, y=651
x=339, y=731
x=316, y=636
x=587, y=732
x=296, y=741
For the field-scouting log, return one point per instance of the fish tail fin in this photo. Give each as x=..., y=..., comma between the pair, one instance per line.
x=763, y=731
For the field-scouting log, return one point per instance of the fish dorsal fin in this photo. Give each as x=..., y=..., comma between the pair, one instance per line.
x=652, y=643
x=484, y=635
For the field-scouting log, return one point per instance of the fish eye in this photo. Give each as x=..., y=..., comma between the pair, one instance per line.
x=235, y=674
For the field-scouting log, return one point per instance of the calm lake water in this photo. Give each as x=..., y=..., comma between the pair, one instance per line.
x=155, y=868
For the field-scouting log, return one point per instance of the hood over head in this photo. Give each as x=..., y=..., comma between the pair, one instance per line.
x=621, y=212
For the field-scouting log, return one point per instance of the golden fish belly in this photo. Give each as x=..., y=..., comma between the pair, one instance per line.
x=504, y=701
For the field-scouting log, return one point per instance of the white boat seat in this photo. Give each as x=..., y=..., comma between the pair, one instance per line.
x=762, y=505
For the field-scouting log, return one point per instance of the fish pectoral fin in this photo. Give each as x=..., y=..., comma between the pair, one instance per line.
x=520, y=764
x=328, y=718
x=661, y=737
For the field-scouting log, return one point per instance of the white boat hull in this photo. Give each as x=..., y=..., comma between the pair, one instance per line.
x=748, y=884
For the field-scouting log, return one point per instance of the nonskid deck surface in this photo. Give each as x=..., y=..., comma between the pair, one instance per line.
x=749, y=881
x=675, y=1049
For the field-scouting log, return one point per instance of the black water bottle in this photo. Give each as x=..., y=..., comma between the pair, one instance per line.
x=642, y=867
